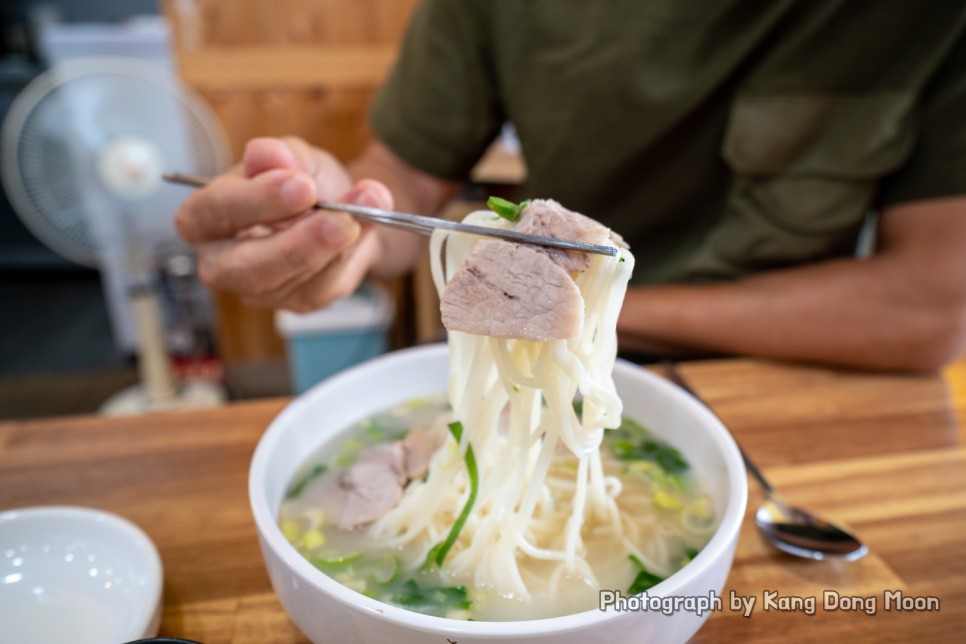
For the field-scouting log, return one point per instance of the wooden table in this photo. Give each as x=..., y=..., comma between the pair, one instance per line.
x=884, y=454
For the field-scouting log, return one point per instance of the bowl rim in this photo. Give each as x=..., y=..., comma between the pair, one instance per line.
x=727, y=531
x=144, y=625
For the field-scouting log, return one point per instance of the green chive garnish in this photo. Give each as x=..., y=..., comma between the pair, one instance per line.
x=437, y=554
x=506, y=209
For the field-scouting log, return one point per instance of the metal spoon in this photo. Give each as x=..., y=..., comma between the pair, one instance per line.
x=788, y=528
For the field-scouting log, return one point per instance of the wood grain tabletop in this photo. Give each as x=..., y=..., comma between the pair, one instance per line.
x=883, y=454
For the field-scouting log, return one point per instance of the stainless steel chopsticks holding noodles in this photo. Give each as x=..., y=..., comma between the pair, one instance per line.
x=425, y=225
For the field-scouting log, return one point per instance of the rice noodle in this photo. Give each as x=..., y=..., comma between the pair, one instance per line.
x=522, y=513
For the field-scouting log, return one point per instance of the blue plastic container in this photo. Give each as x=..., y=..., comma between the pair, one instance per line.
x=347, y=332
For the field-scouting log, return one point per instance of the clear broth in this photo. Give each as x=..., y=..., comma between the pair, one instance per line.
x=657, y=486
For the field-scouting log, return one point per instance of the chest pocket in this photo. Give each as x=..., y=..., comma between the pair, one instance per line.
x=805, y=174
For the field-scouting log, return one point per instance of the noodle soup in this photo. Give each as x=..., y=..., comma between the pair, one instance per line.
x=506, y=500
x=665, y=519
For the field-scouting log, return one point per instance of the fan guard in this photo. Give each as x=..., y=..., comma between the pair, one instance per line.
x=70, y=132
x=83, y=149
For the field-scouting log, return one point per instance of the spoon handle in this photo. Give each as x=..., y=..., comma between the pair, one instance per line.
x=675, y=376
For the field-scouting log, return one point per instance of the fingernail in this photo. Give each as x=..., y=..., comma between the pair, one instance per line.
x=297, y=192
x=337, y=231
x=368, y=193
x=367, y=198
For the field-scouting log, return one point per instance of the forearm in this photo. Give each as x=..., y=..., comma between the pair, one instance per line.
x=904, y=309
x=843, y=312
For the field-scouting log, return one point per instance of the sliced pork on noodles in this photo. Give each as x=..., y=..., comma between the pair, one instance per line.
x=548, y=218
x=507, y=290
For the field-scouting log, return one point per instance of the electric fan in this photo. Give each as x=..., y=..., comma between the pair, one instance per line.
x=84, y=146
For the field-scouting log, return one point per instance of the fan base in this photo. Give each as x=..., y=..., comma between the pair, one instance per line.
x=191, y=394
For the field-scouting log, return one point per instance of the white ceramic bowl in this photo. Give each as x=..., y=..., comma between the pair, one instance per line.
x=76, y=575
x=327, y=611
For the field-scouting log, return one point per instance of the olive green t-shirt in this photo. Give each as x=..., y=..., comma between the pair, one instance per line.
x=719, y=138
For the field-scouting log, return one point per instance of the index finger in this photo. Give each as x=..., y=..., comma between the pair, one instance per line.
x=231, y=204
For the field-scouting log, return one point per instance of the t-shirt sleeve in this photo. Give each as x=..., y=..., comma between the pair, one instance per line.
x=438, y=109
x=937, y=164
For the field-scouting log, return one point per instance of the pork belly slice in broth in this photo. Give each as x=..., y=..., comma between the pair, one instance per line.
x=418, y=448
x=359, y=494
x=373, y=485
x=507, y=290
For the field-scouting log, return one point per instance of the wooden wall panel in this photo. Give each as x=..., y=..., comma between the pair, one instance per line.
x=306, y=68
x=334, y=120
x=202, y=23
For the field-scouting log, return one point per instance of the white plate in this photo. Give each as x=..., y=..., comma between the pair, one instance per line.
x=78, y=575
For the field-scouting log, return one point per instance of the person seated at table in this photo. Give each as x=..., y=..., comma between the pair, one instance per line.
x=740, y=148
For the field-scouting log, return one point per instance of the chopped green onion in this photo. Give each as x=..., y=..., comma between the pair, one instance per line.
x=579, y=407
x=371, y=570
x=335, y=563
x=633, y=442
x=633, y=426
x=666, y=501
x=299, y=486
x=437, y=554
x=506, y=209
x=313, y=539
x=382, y=570
x=345, y=460
x=433, y=600
x=372, y=430
x=671, y=460
x=623, y=449
x=644, y=580
x=292, y=530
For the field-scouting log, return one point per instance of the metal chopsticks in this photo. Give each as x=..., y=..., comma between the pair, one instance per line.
x=425, y=225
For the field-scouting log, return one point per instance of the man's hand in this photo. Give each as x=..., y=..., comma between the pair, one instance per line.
x=256, y=233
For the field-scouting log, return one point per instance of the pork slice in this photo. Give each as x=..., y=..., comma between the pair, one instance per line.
x=510, y=290
x=359, y=494
x=418, y=448
x=365, y=490
x=392, y=455
x=373, y=485
x=548, y=218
